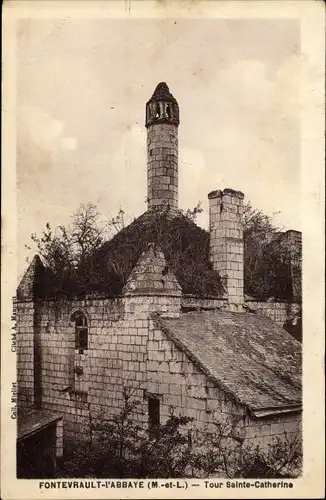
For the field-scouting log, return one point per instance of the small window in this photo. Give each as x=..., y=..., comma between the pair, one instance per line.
x=168, y=113
x=81, y=331
x=153, y=412
x=157, y=111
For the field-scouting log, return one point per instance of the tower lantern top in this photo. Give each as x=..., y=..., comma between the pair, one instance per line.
x=162, y=107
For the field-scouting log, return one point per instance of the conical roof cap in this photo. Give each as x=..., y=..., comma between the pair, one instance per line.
x=162, y=93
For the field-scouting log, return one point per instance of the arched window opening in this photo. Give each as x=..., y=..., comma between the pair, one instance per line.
x=81, y=331
x=168, y=111
x=157, y=111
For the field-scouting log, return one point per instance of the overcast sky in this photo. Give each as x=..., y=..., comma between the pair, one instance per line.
x=82, y=89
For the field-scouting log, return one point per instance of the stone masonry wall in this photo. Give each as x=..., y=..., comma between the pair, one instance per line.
x=125, y=349
x=162, y=165
x=116, y=355
x=63, y=390
x=25, y=352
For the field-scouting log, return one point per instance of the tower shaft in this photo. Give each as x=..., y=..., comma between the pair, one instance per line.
x=162, y=165
x=162, y=121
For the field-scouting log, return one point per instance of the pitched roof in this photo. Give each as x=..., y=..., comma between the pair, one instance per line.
x=152, y=274
x=250, y=357
x=35, y=280
x=31, y=421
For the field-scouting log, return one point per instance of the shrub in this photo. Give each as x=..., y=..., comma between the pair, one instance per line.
x=118, y=447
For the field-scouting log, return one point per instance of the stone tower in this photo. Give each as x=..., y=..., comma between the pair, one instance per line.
x=162, y=121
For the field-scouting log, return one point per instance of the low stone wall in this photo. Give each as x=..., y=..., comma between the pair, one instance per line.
x=277, y=311
x=191, y=302
x=264, y=431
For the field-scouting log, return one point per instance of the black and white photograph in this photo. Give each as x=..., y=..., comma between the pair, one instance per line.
x=158, y=303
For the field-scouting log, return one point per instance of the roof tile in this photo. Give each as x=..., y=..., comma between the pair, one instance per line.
x=249, y=356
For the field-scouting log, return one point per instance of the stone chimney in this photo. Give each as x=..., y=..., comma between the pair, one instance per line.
x=226, y=241
x=162, y=121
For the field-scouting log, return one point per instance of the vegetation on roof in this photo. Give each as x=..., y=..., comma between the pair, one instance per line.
x=106, y=269
x=183, y=243
x=80, y=261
